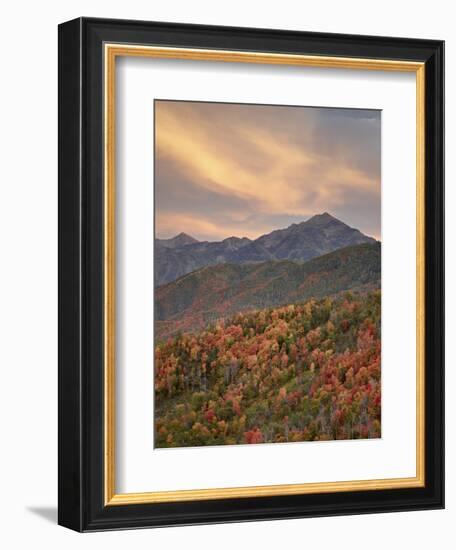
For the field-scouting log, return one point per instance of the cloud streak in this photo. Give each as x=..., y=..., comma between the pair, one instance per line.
x=233, y=169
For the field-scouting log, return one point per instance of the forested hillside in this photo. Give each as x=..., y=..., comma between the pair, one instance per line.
x=202, y=297
x=302, y=372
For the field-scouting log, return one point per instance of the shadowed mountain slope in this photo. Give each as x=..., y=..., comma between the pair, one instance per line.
x=217, y=291
x=319, y=235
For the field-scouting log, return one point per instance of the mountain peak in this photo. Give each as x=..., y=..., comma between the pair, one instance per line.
x=323, y=217
x=182, y=239
x=183, y=235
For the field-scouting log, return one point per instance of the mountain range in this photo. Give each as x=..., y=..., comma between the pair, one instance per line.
x=217, y=291
x=300, y=242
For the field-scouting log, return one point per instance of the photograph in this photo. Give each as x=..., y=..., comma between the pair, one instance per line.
x=267, y=273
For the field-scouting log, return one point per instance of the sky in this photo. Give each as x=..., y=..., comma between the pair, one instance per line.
x=225, y=170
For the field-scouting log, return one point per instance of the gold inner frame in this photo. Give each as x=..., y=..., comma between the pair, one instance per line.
x=111, y=52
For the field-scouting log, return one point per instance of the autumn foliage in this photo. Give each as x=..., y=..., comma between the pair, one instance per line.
x=301, y=372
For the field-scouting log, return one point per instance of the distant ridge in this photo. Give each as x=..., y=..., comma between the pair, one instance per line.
x=179, y=240
x=320, y=234
x=212, y=292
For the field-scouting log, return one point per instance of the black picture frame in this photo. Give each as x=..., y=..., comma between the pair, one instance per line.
x=81, y=471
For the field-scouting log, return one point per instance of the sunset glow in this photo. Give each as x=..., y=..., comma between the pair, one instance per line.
x=232, y=169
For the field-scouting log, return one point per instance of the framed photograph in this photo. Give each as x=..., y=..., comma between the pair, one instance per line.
x=251, y=303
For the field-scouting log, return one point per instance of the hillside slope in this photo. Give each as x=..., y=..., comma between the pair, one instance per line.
x=302, y=372
x=196, y=299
